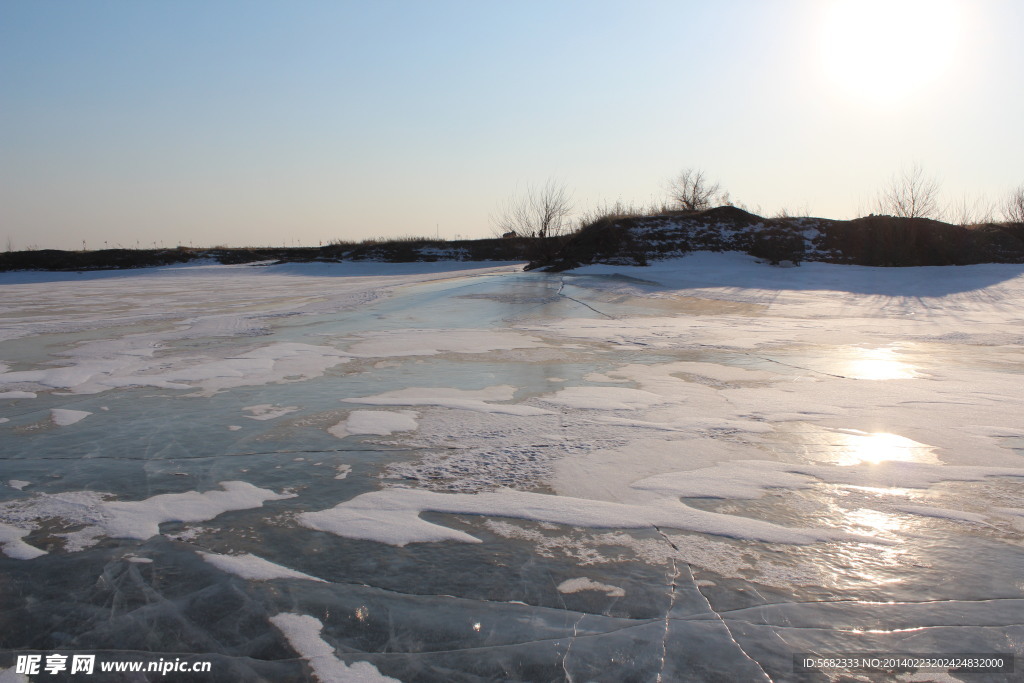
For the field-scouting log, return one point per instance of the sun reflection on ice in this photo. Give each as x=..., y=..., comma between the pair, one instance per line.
x=885, y=561
x=858, y=448
x=880, y=363
x=874, y=520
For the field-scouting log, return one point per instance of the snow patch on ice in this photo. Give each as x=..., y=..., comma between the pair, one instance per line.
x=604, y=398
x=584, y=584
x=303, y=634
x=18, y=484
x=392, y=516
x=64, y=416
x=375, y=422
x=104, y=365
x=131, y=519
x=13, y=545
x=462, y=399
x=254, y=568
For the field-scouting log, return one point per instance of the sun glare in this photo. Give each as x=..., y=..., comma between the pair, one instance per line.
x=883, y=52
x=878, y=447
x=881, y=363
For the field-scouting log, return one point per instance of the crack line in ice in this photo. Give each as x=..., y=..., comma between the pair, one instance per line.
x=866, y=602
x=800, y=367
x=673, y=588
x=559, y=293
x=712, y=608
x=639, y=623
x=675, y=577
x=575, y=628
x=827, y=629
x=535, y=641
x=572, y=641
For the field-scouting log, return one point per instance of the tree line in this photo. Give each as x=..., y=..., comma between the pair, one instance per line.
x=545, y=210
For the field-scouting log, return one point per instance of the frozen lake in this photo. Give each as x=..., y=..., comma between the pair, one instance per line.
x=465, y=472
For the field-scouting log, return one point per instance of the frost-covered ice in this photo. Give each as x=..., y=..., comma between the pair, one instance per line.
x=687, y=471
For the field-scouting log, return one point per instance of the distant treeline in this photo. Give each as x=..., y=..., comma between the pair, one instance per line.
x=633, y=240
x=869, y=241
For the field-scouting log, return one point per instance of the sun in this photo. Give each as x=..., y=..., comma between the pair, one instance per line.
x=884, y=52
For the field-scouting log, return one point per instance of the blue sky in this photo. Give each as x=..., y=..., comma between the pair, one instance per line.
x=254, y=123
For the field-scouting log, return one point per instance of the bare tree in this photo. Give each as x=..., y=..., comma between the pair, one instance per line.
x=1013, y=206
x=692, y=191
x=541, y=211
x=910, y=195
x=965, y=212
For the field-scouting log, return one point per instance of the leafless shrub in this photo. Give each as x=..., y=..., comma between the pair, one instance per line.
x=541, y=211
x=967, y=212
x=1013, y=206
x=400, y=239
x=620, y=209
x=785, y=212
x=692, y=191
x=910, y=194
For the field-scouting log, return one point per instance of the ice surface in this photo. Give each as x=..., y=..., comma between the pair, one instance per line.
x=687, y=471
x=266, y=411
x=943, y=513
x=12, y=676
x=412, y=342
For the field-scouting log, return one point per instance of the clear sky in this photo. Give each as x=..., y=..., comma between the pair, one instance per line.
x=256, y=122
